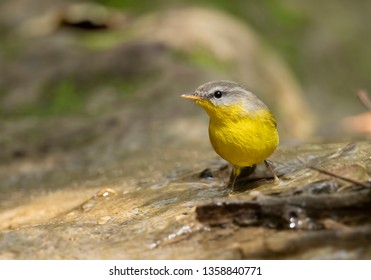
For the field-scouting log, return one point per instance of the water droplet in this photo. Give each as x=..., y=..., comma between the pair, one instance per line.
x=183, y=230
x=293, y=223
x=105, y=193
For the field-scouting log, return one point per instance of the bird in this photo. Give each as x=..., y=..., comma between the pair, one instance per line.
x=242, y=130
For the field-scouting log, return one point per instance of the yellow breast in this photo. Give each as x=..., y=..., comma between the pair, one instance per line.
x=241, y=138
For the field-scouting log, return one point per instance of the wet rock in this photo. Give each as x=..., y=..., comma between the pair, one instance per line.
x=206, y=174
x=189, y=217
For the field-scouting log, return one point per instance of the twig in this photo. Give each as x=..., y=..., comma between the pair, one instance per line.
x=363, y=96
x=337, y=176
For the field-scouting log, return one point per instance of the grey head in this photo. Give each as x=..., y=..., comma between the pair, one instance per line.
x=224, y=93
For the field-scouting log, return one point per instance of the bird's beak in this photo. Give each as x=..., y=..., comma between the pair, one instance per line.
x=191, y=96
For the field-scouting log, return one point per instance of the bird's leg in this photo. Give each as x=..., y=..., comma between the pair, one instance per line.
x=232, y=180
x=271, y=171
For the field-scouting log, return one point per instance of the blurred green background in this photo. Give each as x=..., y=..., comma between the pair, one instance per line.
x=325, y=43
x=67, y=66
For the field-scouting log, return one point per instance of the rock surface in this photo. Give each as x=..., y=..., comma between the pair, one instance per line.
x=156, y=219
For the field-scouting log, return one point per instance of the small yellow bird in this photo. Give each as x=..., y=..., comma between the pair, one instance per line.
x=242, y=129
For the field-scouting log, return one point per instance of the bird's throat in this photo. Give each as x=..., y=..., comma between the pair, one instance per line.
x=224, y=113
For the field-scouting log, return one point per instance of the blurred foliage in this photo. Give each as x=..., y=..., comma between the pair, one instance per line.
x=105, y=40
x=135, y=6
x=325, y=43
x=320, y=40
x=281, y=24
x=63, y=98
x=203, y=59
x=70, y=97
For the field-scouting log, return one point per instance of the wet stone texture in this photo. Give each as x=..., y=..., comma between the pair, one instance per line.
x=319, y=210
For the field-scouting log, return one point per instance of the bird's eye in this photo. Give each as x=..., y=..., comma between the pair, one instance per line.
x=218, y=94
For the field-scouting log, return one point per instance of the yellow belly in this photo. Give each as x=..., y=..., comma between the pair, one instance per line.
x=245, y=141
